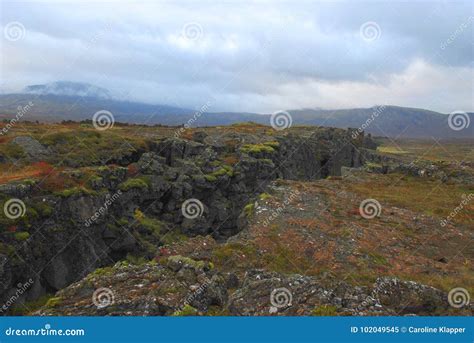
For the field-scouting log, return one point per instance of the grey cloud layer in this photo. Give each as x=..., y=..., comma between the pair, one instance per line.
x=252, y=56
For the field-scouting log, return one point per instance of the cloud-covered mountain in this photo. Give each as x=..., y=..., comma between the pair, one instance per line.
x=76, y=101
x=69, y=88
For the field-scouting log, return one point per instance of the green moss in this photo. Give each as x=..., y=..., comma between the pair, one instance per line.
x=198, y=265
x=187, y=310
x=264, y=196
x=22, y=236
x=173, y=237
x=210, y=178
x=95, y=179
x=219, y=172
x=153, y=225
x=324, y=310
x=75, y=191
x=249, y=209
x=223, y=170
x=6, y=249
x=103, y=169
x=71, y=147
x=122, y=221
x=231, y=255
x=372, y=165
x=265, y=160
x=142, y=182
x=257, y=148
x=12, y=150
x=31, y=214
x=229, y=170
x=273, y=144
x=122, y=264
x=28, y=182
x=101, y=272
x=53, y=302
x=43, y=209
x=136, y=260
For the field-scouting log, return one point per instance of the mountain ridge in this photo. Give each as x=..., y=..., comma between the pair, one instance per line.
x=65, y=100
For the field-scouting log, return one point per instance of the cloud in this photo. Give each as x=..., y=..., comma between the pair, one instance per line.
x=249, y=56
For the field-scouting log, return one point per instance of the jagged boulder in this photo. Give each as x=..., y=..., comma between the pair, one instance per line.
x=34, y=149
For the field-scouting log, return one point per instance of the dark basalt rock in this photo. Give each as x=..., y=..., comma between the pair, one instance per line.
x=65, y=248
x=31, y=147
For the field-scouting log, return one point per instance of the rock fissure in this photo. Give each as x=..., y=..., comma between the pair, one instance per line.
x=222, y=175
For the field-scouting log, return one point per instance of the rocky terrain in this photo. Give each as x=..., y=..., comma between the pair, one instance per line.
x=240, y=220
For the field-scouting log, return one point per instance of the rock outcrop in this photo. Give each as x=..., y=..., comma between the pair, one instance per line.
x=181, y=286
x=134, y=210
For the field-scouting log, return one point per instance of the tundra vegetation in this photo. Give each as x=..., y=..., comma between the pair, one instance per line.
x=279, y=209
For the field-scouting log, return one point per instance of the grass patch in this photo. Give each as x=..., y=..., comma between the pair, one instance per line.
x=187, y=310
x=53, y=302
x=324, y=310
x=142, y=182
x=255, y=149
x=264, y=196
x=75, y=191
x=232, y=255
x=391, y=150
x=249, y=209
x=22, y=236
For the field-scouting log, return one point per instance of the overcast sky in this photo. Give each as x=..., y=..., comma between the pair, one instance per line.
x=258, y=56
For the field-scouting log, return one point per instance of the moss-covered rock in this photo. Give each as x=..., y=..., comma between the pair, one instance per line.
x=142, y=182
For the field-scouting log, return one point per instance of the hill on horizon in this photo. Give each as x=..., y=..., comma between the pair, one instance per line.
x=65, y=100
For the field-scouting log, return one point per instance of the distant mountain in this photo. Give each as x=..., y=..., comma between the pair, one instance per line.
x=391, y=121
x=66, y=100
x=69, y=88
x=54, y=108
